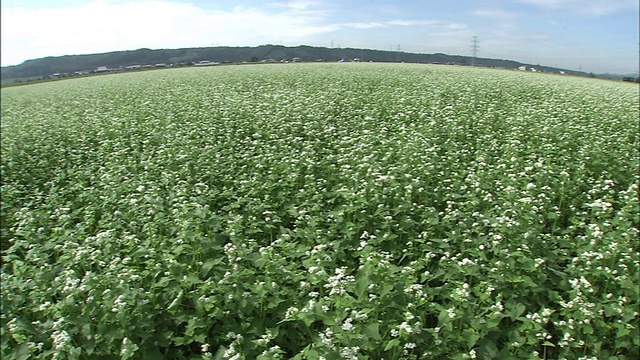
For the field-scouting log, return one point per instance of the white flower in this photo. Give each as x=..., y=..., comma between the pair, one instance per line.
x=338, y=282
x=350, y=353
x=405, y=327
x=348, y=325
x=358, y=315
x=326, y=338
x=409, y=316
x=466, y=261
x=118, y=304
x=451, y=312
x=291, y=311
x=407, y=347
x=61, y=340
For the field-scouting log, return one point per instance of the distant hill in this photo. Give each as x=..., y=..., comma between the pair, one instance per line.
x=69, y=64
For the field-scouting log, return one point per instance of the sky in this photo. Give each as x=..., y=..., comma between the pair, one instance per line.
x=600, y=36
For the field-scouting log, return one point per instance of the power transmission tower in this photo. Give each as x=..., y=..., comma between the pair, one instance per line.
x=474, y=50
x=398, y=54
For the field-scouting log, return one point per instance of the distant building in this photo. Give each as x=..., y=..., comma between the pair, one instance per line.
x=206, y=63
x=102, y=69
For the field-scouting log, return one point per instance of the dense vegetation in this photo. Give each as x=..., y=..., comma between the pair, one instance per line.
x=320, y=211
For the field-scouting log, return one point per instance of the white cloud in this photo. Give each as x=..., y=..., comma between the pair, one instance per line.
x=296, y=5
x=101, y=26
x=432, y=25
x=497, y=14
x=589, y=7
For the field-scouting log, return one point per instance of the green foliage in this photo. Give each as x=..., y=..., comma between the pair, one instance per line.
x=322, y=211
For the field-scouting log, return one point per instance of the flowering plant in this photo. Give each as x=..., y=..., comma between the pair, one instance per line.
x=320, y=211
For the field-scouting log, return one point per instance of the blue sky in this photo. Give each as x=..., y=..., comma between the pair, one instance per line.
x=589, y=35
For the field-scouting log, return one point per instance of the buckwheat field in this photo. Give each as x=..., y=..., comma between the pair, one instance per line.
x=320, y=211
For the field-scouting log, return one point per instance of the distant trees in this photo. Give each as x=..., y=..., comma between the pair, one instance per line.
x=44, y=67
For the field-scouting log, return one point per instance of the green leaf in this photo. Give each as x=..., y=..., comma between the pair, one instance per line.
x=472, y=337
x=487, y=349
x=622, y=332
x=372, y=331
x=152, y=353
x=175, y=303
x=385, y=288
x=494, y=321
x=128, y=350
x=221, y=239
x=21, y=352
x=312, y=354
x=219, y=355
x=208, y=265
x=391, y=344
x=514, y=310
x=362, y=283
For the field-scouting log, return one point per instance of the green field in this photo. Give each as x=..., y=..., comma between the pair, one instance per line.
x=320, y=211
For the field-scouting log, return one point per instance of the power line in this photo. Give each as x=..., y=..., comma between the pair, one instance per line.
x=474, y=50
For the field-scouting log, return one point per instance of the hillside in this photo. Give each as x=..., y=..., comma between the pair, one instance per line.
x=44, y=67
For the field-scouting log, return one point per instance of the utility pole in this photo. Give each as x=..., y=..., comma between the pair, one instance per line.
x=398, y=54
x=474, y=50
